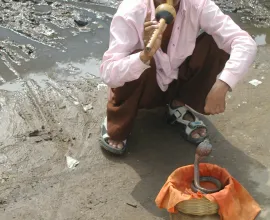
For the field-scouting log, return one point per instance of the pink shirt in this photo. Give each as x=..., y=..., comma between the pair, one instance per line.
x=126, y=35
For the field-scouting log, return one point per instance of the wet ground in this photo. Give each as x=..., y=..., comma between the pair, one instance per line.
x=52, y=104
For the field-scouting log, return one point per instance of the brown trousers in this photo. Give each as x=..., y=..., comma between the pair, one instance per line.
x=196, y=77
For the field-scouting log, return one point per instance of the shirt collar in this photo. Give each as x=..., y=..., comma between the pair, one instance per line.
x=182, y=5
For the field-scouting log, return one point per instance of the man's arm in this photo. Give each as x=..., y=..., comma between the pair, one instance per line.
x=232, y=39
x=119, y=65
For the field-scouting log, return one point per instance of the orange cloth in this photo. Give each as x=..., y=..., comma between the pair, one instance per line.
x=235, y=203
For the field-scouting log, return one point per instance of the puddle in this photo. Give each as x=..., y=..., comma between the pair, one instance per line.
x=260, y=39
x=86, y=68
x=259, y=34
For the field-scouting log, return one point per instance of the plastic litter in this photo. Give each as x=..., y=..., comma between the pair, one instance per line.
x=255, y=82
x=71, y=162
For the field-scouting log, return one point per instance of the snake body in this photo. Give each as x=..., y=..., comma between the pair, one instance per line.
x=203, y=150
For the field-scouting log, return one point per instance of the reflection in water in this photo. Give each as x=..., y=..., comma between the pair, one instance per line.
x=260, y=39
x=85, y=67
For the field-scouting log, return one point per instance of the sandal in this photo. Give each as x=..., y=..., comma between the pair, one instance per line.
x=176, y=117
x=104, y=141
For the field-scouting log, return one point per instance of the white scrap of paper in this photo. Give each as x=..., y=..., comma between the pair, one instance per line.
x=71, y=162
x=255, y=82
x=101, y=85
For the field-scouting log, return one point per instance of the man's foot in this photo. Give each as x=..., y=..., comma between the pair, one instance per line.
x=116, y=147
x=116, y=144
x=197, y=133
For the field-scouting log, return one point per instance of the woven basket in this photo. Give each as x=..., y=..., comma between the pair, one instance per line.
x=198, y=207
x=181, y=216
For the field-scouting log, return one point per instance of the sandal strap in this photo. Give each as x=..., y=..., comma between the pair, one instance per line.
x=179, y=114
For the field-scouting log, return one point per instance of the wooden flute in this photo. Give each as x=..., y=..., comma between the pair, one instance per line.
x=165, y=14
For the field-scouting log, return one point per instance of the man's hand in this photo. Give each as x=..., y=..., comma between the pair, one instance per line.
x=216, y=98
x=149, y=28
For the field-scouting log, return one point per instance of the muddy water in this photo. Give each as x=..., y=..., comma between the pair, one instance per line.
x=38, y=35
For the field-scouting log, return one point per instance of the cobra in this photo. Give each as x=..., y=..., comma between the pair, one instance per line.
x=203, y=150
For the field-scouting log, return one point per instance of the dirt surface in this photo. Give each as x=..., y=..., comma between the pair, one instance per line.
x=52, y=104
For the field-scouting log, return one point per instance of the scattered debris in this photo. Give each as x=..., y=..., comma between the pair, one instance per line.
x=71, y=162
x=134, y=206
x=255, y=82
x=87, y=107
x=101, y=85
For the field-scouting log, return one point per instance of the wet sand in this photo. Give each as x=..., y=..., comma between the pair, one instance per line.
x=52, y=104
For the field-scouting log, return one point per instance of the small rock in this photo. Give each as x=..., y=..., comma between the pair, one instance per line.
x=39, y=140
x=81, y=20
x=34, y=133
x=47, y=138
x=87, y=107
x=62, y=106
x=66, y=140
x=3, y=202
x=49, y=2
x=36, y=1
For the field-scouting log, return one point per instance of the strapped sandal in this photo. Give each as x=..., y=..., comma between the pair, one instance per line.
x=176, y=117
x=103, y=140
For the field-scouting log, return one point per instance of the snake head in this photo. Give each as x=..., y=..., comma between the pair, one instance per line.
x=204, y=148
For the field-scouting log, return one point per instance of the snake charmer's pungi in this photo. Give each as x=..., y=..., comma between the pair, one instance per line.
x=198, y=58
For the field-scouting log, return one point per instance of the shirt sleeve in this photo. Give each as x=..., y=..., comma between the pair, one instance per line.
x=119, y=64
x=232, y=39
